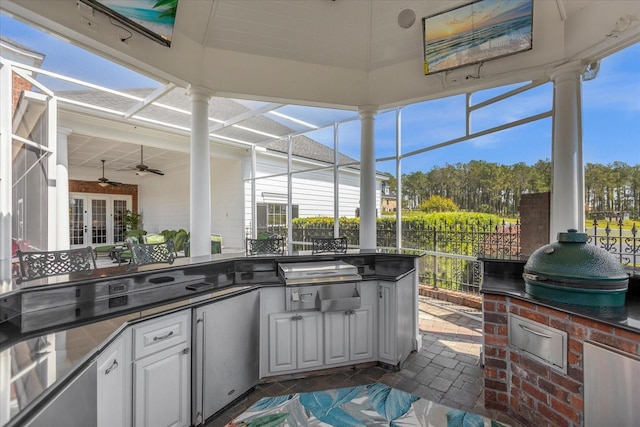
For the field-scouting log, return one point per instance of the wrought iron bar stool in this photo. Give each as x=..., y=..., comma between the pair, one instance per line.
x=153, y=253
x=271, y=245
x=328, y=244
x=39, y=264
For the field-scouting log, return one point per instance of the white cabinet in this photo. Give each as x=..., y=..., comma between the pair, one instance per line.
x=295, y=341
x=397, y=319
x=387, y=323
x=348, y=335
x=114, y=383
x=161, y=371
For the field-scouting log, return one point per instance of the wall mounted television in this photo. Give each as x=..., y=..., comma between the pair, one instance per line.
x=476, y=32
x=152, y=18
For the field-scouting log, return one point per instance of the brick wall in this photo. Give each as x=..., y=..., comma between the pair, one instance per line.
x=529, y=391
x=19, y=85
x=534, y=221
x=455, y=297
x=76, y=186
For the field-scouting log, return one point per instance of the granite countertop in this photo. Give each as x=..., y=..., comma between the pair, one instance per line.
x=504, y=277
x=38, y=324
x=80, y=298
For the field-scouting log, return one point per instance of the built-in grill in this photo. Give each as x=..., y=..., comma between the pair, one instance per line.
x=321, y=285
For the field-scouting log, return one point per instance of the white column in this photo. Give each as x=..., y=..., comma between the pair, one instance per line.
x=200, y=181
x=399, y=179
x=567, y=185
x=62, y=190
x=367, y=178
x=5, y=176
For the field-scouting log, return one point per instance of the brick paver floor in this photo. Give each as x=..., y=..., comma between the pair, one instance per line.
x=446, y=370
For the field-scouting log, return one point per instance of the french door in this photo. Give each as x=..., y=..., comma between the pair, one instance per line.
x=97, y=219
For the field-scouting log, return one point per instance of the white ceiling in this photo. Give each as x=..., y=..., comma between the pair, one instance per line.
x=89, y=151
x=345, y=53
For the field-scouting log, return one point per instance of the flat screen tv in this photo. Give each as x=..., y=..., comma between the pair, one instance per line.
x=476, y=32
x=152, y=18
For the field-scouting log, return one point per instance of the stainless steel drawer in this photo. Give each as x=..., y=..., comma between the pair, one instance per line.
x=547, y=344
x=158, y=334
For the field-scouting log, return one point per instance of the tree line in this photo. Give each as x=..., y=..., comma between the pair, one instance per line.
x=487, y=187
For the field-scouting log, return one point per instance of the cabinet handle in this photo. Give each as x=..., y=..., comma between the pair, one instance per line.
x=298, y=317
x=380, y=293
x=540, y=334
x=113, y=366
x=163, y=337
x=185, y=351
x=349, y=312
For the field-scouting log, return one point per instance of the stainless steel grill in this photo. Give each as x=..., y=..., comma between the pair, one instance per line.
x=304, y=273
x=324, y=285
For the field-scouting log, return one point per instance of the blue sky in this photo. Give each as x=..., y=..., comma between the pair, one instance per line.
x=611, y=112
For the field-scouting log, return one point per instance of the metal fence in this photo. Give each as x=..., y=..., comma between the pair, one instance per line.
x=622, y=243
x=452, y=250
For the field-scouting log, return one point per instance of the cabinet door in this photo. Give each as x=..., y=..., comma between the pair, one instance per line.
x=161, y=389
x=387, y=323
x=361, y=333
x=309, y=336
x=336, y=337
x=114, y=385
x=282, y=342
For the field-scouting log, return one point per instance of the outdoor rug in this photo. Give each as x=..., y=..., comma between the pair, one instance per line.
x=368, y=405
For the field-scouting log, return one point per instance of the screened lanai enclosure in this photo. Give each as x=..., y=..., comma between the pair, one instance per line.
x=245, y=153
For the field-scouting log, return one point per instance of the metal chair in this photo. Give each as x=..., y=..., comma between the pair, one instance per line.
x=39, y=264
x=271, y=245
x=328, y=244
x=153, y=253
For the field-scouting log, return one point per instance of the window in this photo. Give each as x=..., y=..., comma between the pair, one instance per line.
x=272, y=218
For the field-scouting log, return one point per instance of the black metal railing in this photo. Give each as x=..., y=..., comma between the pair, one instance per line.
x=453, y=249
x=622, y=243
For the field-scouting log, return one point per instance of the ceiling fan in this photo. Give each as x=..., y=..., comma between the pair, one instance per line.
x=104, y=182
x=142, y=169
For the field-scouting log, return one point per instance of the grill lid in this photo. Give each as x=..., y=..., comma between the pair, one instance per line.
x=571, y=260
x=298, y=273
x=574, y=272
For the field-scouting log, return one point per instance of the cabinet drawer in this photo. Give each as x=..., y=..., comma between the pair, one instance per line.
x=157, y=334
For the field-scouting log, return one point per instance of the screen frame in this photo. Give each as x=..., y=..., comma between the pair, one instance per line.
x=471, y=61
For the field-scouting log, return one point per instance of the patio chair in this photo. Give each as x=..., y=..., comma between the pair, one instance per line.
x=328, y=244
x=153, y=253
x=271, y=245
x=39, y=264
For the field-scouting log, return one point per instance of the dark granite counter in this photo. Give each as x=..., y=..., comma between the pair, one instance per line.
x=62, y=322
x=504, y=277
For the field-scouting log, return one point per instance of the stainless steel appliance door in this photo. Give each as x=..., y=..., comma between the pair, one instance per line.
x=611, y=386
x=227, y=352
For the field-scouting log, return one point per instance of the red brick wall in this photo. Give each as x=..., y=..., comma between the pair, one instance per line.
x=535, y=221
x=19, y=85
x=460, y=298
x=527, y=390
x=76, y=186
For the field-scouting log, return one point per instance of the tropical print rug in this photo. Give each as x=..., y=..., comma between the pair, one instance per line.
x=368, y=405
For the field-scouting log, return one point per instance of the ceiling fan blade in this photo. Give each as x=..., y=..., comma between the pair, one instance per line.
x=156, y=171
